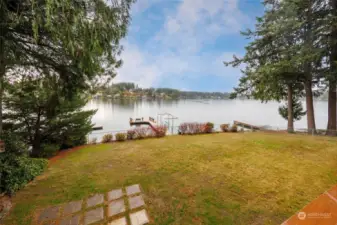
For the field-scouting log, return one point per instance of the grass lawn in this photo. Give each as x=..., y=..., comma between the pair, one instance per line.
x=228, y=178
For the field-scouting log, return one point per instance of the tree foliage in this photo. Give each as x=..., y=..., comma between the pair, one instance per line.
x=74, y=40
x=298, y=111
x=39, y=112
x=290, y=54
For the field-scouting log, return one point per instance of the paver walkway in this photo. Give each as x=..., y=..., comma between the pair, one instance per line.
x=117, y=207
x=321, y=211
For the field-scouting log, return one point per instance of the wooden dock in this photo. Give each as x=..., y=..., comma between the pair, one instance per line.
x=140, y=121
x=246, y=125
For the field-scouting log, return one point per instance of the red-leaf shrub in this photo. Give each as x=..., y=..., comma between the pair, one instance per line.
x=161, y=131
x=183, y=128
x=194, y=128
x=208, y=127
x=141, y=132
x=224, y=127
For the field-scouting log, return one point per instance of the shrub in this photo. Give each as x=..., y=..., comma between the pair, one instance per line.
x=141, y=132
x=93, y=141
x=234, y=128
x=192, y=128
x=161, y=131
x=182, y=128
x=17, y=171
x=49, y=150
x=224, y=127
x=208, y=127
x=120, y=136
x=107, y=138
x=150, y=133
x=131, y=134
x=14, y=144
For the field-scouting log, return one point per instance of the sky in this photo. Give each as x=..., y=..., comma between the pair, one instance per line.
x=182, y=43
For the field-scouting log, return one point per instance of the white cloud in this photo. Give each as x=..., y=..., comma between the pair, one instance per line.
x=197, y=22
x=180, y=47
x=137, y=67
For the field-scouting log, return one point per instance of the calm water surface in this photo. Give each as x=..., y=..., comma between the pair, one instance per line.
x=114, y=115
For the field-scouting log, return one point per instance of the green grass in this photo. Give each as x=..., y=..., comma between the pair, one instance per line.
x=228, y=178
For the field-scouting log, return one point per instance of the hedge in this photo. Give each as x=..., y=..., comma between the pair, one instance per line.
x=17, y=171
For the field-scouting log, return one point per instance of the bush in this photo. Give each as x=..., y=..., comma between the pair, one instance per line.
x=192, y=128
x=17, y=171
x=208, y=127
x=13, y=144
x=131, y=134
x=141, y=132
x=234, y=128
x=107, y=138
x=161, y=131
x=120, y=136
x=224, y=127
x=48, y=150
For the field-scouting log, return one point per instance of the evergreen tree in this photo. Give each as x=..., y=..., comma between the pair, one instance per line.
x=285, y=59
x=38, y=111
x=297, y=111
x=77, y=40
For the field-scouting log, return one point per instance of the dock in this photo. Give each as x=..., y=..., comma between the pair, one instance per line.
x=140, y=121
x=246, y=125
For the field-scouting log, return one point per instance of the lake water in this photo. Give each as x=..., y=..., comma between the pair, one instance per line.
x=114, y=115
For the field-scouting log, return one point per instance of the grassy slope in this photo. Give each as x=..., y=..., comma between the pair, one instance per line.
x=251, y=178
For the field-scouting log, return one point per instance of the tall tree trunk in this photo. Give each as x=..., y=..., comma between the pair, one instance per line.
x=37, y=137
x=310, y=106
x=331, y=128
x=290, y=109
x=2, y=56
x=36, y=148
x=308, y=71
x=2, y=75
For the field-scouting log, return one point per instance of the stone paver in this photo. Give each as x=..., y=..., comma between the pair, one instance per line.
x=116, y=207
x=115, y=194
x=133, y=189
x=75, y=220
x=49, y=213
x=139, y=218
x=136, y=201
x=121, y=221
x=95, y=200
x=93, y=216
x=72, y=207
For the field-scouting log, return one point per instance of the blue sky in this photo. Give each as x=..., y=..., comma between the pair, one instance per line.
x=182, y=43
